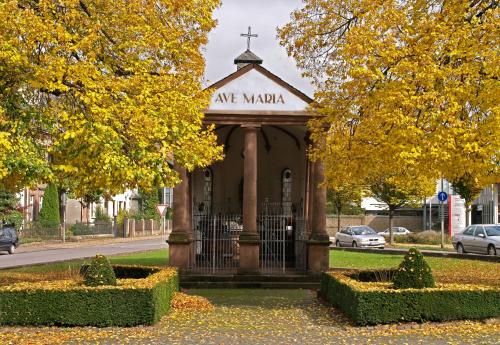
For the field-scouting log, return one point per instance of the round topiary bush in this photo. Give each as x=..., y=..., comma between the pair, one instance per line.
x=414, y=272
x=100, y=272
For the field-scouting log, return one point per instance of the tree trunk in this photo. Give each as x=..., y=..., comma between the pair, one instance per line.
x=391, y=221
x=468, y=210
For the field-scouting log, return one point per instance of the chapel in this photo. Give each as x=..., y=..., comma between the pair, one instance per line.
x=262, y=208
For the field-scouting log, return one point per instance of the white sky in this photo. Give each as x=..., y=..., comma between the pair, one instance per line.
x=264, y=16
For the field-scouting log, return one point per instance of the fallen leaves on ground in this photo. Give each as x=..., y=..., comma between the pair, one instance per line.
x=182, y=301
x=255, y=317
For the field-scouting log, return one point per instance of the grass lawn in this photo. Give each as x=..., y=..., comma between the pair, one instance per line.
x=70, y=269
x=447, y=247
x=446, y=270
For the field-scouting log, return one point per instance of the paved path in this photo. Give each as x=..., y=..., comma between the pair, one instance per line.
x=81, y=251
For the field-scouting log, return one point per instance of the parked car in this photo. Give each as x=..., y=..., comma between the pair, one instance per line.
x=359, y=236
x=478, y=238
x=397, y=230
x=8, y=239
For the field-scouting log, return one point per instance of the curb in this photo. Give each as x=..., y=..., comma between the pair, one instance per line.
x=429, y=253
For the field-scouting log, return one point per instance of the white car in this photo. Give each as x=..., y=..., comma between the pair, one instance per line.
x=478, y=238
x=397, y=230
x=359, y=236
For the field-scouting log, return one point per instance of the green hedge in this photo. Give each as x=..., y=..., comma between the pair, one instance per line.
x=376, y=303
x=65, y=303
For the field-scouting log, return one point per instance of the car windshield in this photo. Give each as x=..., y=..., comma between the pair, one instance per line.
x=492, y=230
x=363, y=230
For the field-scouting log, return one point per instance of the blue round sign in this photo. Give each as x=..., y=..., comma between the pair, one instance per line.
x=442, y=196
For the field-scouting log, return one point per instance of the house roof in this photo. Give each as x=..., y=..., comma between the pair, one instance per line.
x=248, y=57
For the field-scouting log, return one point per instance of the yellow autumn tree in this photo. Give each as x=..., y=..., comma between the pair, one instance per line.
x=407, y=89
x=117, y=85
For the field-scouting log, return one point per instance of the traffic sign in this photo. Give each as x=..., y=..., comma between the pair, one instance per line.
x=161, y=209
x=442, y=196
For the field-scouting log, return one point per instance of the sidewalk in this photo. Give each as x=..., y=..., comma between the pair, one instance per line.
x=59, y=252
x=50, y=245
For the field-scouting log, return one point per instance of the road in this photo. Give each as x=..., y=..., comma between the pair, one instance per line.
x=80, y=252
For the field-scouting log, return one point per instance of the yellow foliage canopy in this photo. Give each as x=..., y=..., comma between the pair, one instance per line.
x=407, y=89
x=118, y=84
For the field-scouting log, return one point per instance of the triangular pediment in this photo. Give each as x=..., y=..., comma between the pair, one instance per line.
x=253, y=88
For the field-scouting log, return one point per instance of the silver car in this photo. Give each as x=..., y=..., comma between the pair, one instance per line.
x=397, y=230
x=478, y=238
x=359, y=236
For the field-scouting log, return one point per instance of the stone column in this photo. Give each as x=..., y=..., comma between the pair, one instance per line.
x=318, y=245
x=179, y=241
x=249, y=238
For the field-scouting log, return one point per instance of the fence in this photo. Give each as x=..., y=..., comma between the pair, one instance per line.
x=144, y=227
x=35, y=232
x=91, y=229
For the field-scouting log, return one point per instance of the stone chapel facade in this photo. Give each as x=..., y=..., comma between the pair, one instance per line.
x=262, y=208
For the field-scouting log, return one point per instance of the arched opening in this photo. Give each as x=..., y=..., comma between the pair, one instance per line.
x=207, y=189
x=286, y=191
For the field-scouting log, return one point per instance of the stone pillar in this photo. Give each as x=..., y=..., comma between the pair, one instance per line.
x=318, y=245
x=179, y=241
x=249, y=238
x=132, y=228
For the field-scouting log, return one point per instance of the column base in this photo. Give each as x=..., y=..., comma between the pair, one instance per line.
x=318, y=256
x=179, y=250
x=249, y=253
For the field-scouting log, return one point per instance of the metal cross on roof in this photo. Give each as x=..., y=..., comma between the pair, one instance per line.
x=249, y=35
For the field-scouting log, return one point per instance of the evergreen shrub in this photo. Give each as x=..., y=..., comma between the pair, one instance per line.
x=100, y=272
x=413, y=272
x=49, y=214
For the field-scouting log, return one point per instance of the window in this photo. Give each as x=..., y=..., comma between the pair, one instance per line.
x=493, y=230
x=363, y=230
x=469, y=231
x=207, y=188
x=479, y=230
x=286, y=191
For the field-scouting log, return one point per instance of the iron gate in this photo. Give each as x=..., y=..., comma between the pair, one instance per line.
x=216, y=242
x=273, y=242
x=282, y=240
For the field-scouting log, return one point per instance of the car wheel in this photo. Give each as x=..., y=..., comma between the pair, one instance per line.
x=12, y=249
x=337, y=243
x=354, y=244
x=492, y=250
x=460, y=249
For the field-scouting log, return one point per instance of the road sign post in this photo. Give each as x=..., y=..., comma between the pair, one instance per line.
x=442, y=196
x=161, y=209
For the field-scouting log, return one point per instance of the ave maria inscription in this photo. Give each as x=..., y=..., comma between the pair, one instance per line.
x=248, y=98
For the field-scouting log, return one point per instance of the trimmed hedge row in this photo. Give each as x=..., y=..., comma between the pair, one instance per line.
x=378, y=303
x=67, y=303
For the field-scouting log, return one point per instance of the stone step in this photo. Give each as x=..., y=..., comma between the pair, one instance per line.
x=248, y=285
x=281, y=281
x=249, y=278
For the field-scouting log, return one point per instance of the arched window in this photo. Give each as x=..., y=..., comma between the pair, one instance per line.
x=207, y=188
x=286, y=191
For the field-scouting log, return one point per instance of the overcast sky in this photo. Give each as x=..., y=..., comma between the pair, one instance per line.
x=264, y=16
